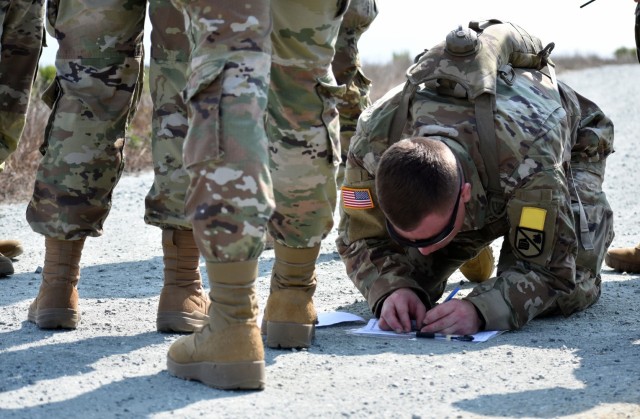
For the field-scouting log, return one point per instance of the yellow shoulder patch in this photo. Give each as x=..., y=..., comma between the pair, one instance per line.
x=533, y=218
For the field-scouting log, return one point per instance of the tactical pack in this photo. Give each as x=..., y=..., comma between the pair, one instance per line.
x=467, y=65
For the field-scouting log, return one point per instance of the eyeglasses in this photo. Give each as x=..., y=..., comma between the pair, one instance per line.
x=448, y=229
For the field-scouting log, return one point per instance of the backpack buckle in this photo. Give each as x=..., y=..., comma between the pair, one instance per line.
x=507, y=74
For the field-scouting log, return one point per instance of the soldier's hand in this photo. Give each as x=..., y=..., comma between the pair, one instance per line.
x=398, y=310
x=455, y=317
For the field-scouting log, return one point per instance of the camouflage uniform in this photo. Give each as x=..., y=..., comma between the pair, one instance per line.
x=21, y=39
x=302, y=120
x=230, y=199
x=97, y=89
x=347, y=69
x=97, y=86
x=551, y=143
x=299, y=74
x=164, y=204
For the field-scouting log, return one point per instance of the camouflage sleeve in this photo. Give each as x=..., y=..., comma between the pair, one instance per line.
x=374, y=263
x=537, y=263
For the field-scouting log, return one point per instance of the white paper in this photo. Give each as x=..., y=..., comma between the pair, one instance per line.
x=335, y=317
x=330, y=318
x=372, y=329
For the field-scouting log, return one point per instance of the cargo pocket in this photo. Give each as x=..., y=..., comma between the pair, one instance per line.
x=203, y=95
x=329, y=93
x=532, y=217
x=50, y=97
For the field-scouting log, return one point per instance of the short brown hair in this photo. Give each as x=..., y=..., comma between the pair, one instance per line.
x=416, y=177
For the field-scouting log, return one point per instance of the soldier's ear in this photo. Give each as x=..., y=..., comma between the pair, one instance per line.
x=466, y=192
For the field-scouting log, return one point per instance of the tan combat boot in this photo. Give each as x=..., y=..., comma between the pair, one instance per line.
x=227, y=353
x=479, y=268
x=56, y=305
x=626, y=259
x=10, y=248
x=6, y=266
x=290, y=316
x=183, y=303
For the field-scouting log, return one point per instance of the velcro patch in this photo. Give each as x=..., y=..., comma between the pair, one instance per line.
x=533, y=218
x=356, y=198
x=530, y=231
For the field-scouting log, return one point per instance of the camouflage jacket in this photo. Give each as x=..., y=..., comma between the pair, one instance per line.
x=537, y=120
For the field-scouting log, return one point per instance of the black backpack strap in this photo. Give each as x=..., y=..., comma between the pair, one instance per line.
x=488, y=144
x=402, y=112
x=583, y=224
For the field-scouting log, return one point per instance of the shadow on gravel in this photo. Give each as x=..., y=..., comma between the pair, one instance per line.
x=138, y=396
x=25, y=367
x=607, y=349
x=137, y=279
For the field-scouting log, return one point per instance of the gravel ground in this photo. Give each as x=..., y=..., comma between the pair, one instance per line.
x=113, y=365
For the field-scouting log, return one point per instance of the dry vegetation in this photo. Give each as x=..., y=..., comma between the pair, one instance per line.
x=16, y=182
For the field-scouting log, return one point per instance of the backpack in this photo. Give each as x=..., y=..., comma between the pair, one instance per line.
x=467, y=65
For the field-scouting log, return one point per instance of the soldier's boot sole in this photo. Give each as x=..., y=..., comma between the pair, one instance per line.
x=248, y=375
x=621, y=265
x=54, y=318
x=180, y=322
x=283, y=335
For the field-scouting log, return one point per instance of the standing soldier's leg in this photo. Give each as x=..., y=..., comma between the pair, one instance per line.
x=95, y=92
x=347, y=69
x=21, y=37
x=183, y=302
x=230, y=199
x=303, y=131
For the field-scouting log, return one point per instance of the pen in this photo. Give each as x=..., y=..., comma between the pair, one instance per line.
x=440, y=335
x=454, y=292
x=427, y=335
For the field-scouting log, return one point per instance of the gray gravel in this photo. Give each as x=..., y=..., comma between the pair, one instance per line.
x=113, y=365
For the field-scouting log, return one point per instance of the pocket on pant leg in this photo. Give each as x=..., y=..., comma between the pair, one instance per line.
x=202, y=95
x=329, y=93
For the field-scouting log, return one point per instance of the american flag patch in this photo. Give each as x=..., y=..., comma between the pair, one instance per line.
x=356, y=198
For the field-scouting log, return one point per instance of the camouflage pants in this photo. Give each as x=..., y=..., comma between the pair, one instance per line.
x=168, y=63
x=302, y=120
x=348, y=72
x=21, y=38
x=94, y=95
x=165, y=202
x=224, y=185
x=230, y=197
x=97, y=88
